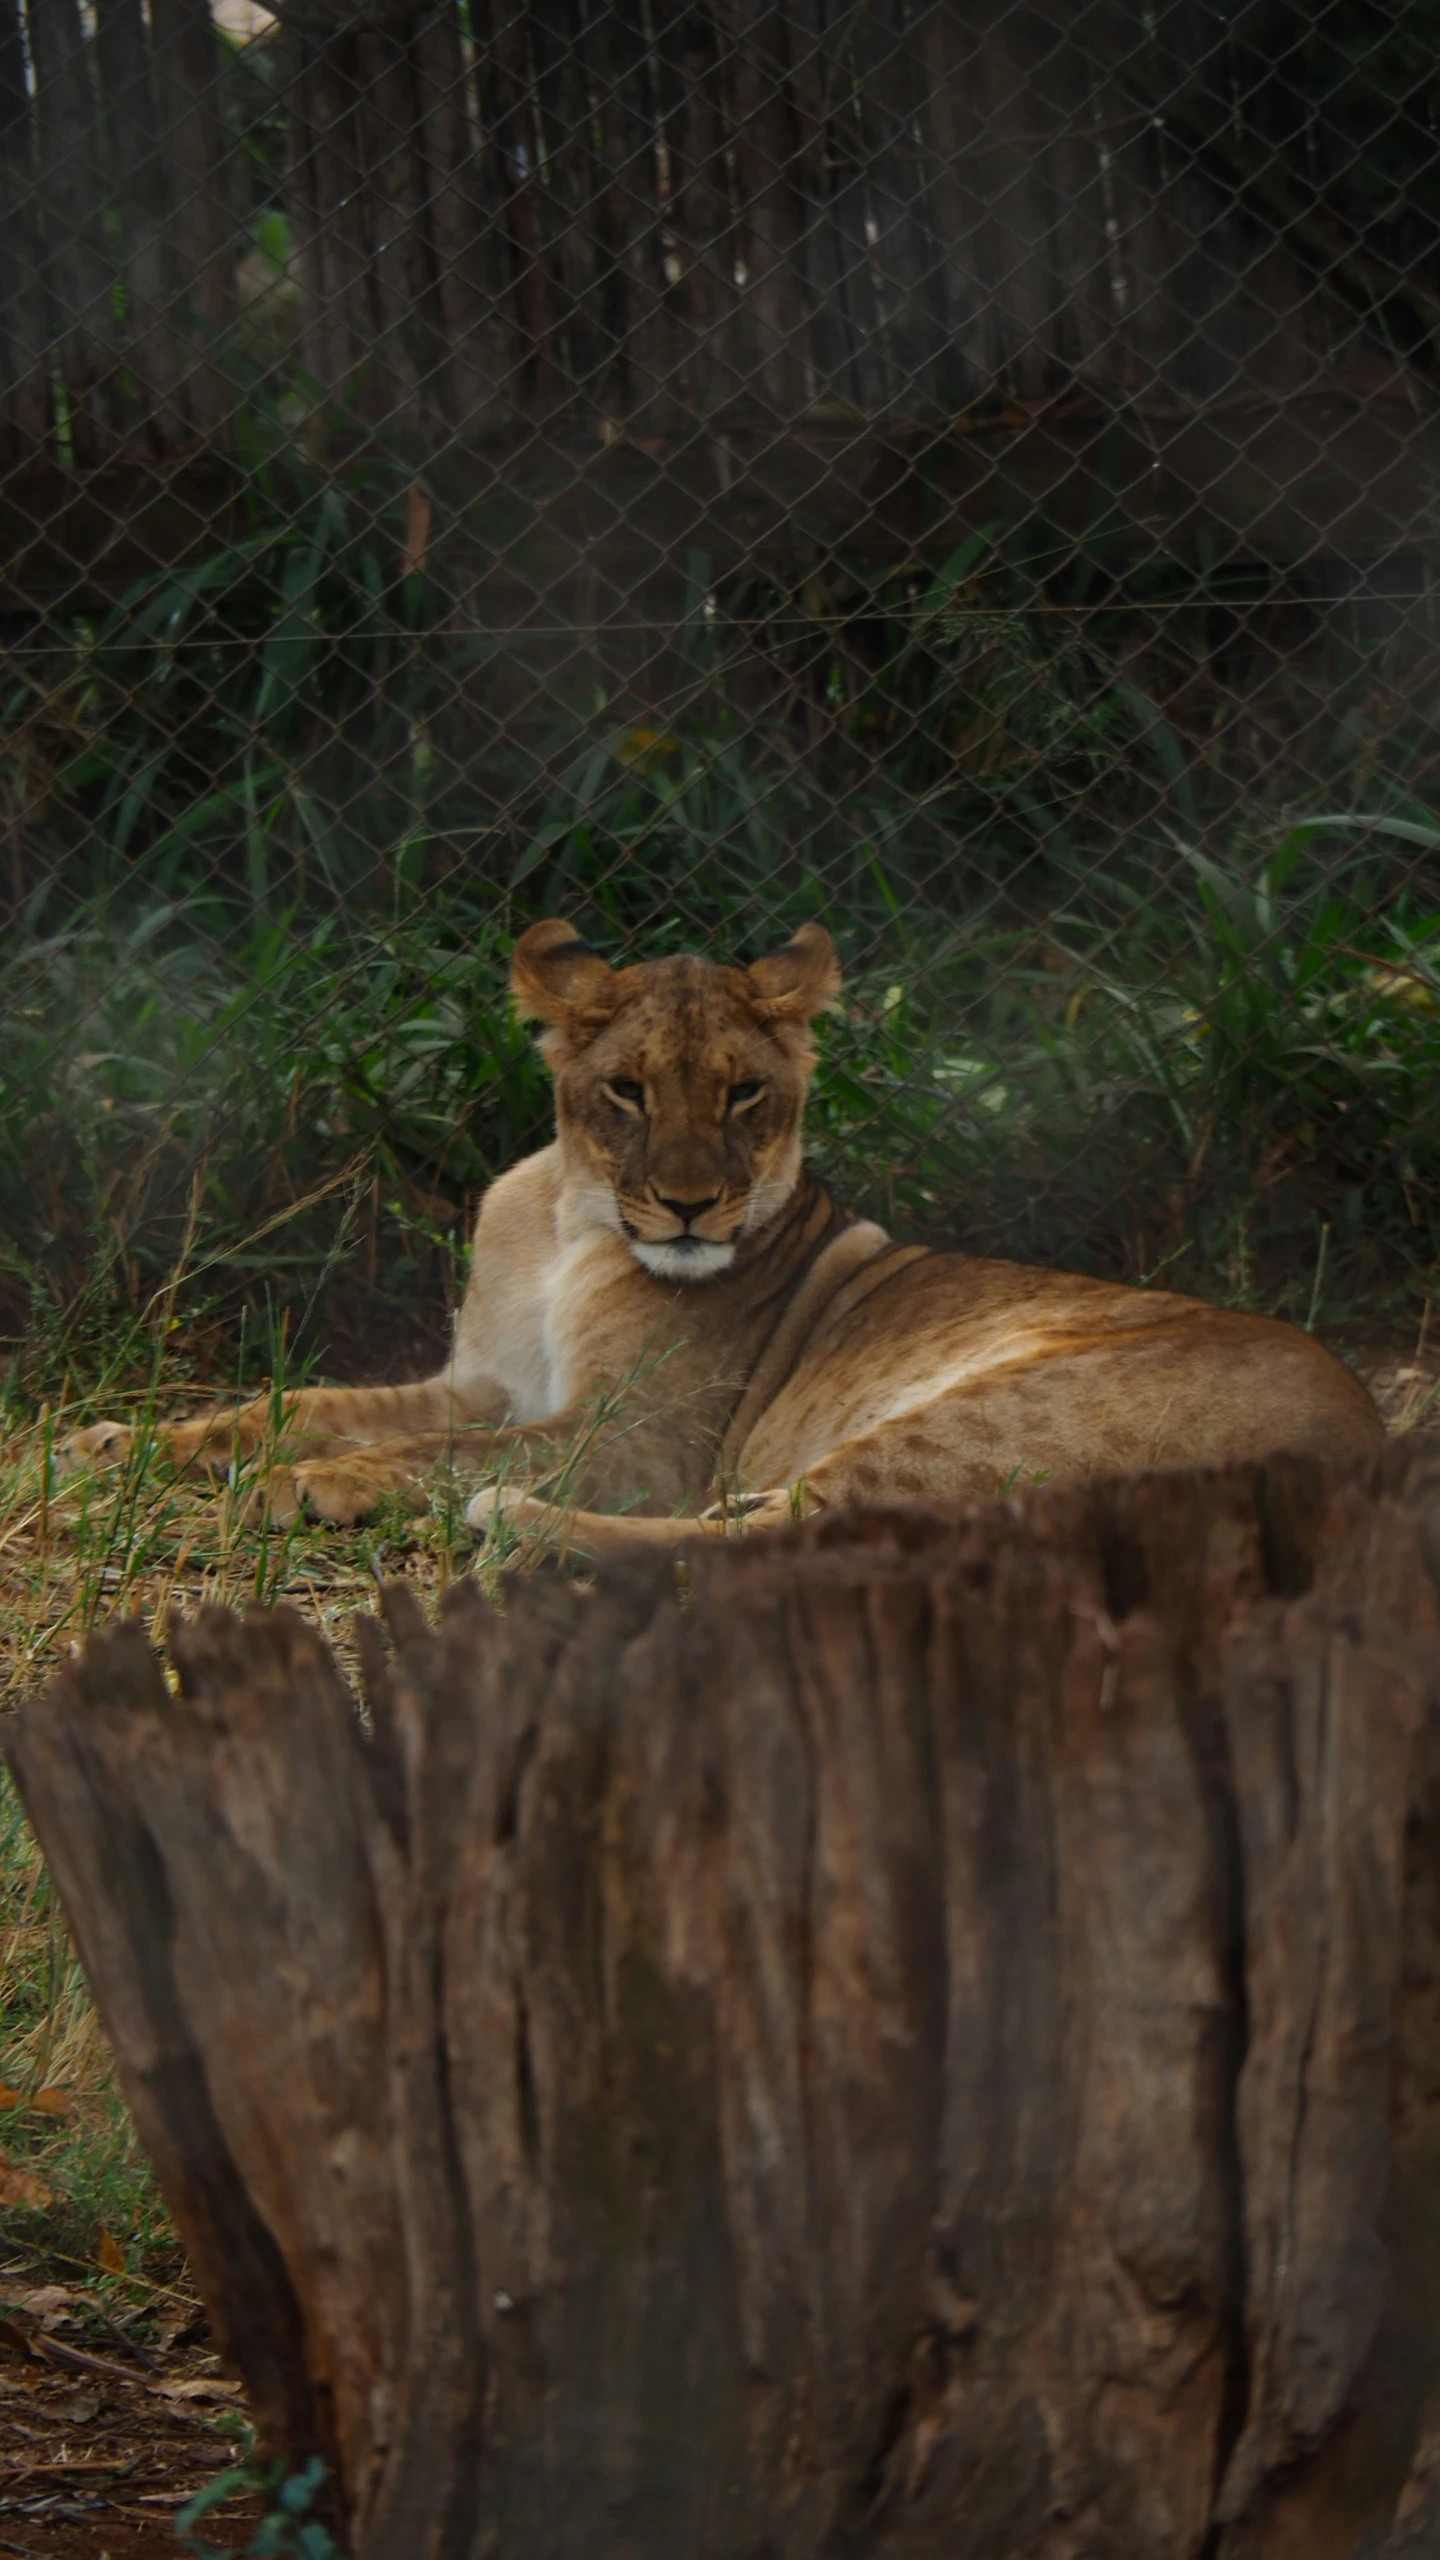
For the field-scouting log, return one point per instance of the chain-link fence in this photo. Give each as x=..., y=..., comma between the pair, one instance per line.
x=967, y=471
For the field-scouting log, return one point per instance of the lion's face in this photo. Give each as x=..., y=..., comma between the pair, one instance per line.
x=679, y=1087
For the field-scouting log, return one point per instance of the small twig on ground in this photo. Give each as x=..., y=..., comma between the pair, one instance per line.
x=131, y=2345
x=76, y=2360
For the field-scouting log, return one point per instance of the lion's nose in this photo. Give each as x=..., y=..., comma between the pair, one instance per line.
x=686, y=1210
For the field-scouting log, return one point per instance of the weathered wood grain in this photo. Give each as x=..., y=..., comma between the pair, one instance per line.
x=24, y=388
x=923, y=2038
x=117, y=266
x=73, y=268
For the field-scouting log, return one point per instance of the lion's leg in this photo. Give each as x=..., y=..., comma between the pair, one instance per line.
x=322, y=1420
x=344, y=1481
x=587, y=1533
x=318, y=1456
x=603, y=1532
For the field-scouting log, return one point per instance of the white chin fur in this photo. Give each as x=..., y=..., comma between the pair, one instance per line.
x=679, y=1261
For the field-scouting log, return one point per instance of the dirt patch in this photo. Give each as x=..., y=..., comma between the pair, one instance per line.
x=98, y=2451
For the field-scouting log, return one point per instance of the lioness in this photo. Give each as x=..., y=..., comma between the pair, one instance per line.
x=665, y=1294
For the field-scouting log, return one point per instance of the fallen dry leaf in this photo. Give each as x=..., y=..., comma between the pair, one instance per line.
x=51, y=2102
x=202, y=2386
x=49, y=2304
x=17, y=2186
x=110, y=2255
x=46, y=2102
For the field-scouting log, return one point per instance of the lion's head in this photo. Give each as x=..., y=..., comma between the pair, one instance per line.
x=679, y=1086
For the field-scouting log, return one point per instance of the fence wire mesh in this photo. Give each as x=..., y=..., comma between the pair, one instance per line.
x=968, y=471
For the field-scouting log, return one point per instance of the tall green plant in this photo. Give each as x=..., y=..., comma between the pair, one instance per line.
x=208, y=730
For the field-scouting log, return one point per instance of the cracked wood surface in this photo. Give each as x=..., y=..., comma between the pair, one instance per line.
x=925, y=2039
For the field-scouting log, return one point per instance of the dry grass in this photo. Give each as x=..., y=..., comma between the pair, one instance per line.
x=138, y=1541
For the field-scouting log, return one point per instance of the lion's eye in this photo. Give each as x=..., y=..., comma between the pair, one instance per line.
x=740, y=1096
x=625, y=1091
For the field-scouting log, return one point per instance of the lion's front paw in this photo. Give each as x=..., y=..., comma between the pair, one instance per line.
x=485, y=1509
x=324, y=1489
x=203, y=1444
x=339, y=1491
x=104, y=1444
x=501, y=1506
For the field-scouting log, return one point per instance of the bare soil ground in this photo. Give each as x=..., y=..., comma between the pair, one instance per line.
x=98, y=2449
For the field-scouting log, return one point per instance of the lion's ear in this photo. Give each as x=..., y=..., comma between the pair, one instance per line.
x=800, y=980
x=557, y=979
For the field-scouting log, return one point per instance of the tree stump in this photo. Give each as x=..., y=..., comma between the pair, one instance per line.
x=919, y=2036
